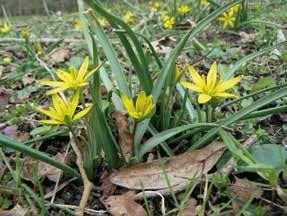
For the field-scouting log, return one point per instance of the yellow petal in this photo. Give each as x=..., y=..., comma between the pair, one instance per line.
x=63, y=75
x=58, y=104
x=73, y=72
x=94, y=70
x=149, y=110
x=221, y=87
x=191, y=86
x=211, y=77
x=82, y=113
x=83, y=69
x=48, y=113
x=140, y=103
x=52, y=121
x=57, y=90
x=224, y=94
x=196, y=77
x=128, y=104
x=203, y=98
x=51, y=83
x=135, y=115
x=74, y=103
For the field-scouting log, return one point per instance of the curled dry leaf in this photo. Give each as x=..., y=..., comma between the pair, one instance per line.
x=44, y=169
x=126, y=139
x=59, y=55
x=243, y=189
x=179, y=169
x=124, y=205
x=16, y=211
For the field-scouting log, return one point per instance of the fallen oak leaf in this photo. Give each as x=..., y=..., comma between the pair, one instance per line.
x=190, y=208
x=179, y=169
x=243, y=189
x=124, y=205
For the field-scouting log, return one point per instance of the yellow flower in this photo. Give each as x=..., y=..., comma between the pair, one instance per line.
x=234, y=9
x=155, y=6
x=25, y=33
x=228, y=19
x=78, y=25
x=63, y=112
x=5, y=29
x=168, y=22
x=203, y=3
x=7, y=60
x=72, y=79
x=183, y=9
x=208, y=87
x=103, y=22
x=128, y=17
x=143, y=108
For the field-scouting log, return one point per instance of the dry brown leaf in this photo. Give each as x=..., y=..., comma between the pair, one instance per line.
x=27, y=79
x=164, y=45
x=16, y=211
x=126, y=139
x=59, y=55
x=44, y=169
x=4, y=98
x=107, y=187
x=124, y=205
x=190, y=208
x=179, y=169
x=247, y=37
x=243, y=189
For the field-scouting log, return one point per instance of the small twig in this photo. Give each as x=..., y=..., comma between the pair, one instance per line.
x=86, y=210
x=87, y=184
x=59, y=188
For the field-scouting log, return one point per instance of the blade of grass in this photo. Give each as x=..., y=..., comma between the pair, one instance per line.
x=263, y=101
x=37, y=155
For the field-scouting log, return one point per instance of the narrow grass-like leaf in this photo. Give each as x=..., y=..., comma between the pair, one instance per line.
x=163, y=136
x=248, y=58
x=241, y=114
x=110, y=54
x=37, y=155
x=265, y=112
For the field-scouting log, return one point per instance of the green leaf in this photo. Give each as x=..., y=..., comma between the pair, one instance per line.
x=163, y=136
x=111, y=55
x=265, y=82
x=37, y=155
x=263, y=101
x=270, y=154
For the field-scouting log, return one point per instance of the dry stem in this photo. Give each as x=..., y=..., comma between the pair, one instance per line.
x=87, y=184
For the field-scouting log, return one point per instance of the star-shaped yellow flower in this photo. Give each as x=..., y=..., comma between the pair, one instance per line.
x=72, y=79
x=144, y=106
x=78, y=25
x=128, y=17
x=5, y=29
x=208, y=87
x=228, y=19
x=168, y=22
x=183, y=9
x=63, y=112
x=155, y=6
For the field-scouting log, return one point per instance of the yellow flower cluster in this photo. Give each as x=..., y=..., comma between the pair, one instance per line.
x=228, y=19
x=155, y=6
x=208, y=87
x=78, y=25
x=183, y=9
x=143, y=108
x=128, y=17
x=63, y=111
x=25, y=33
x=168, y=21
x=5, y=28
